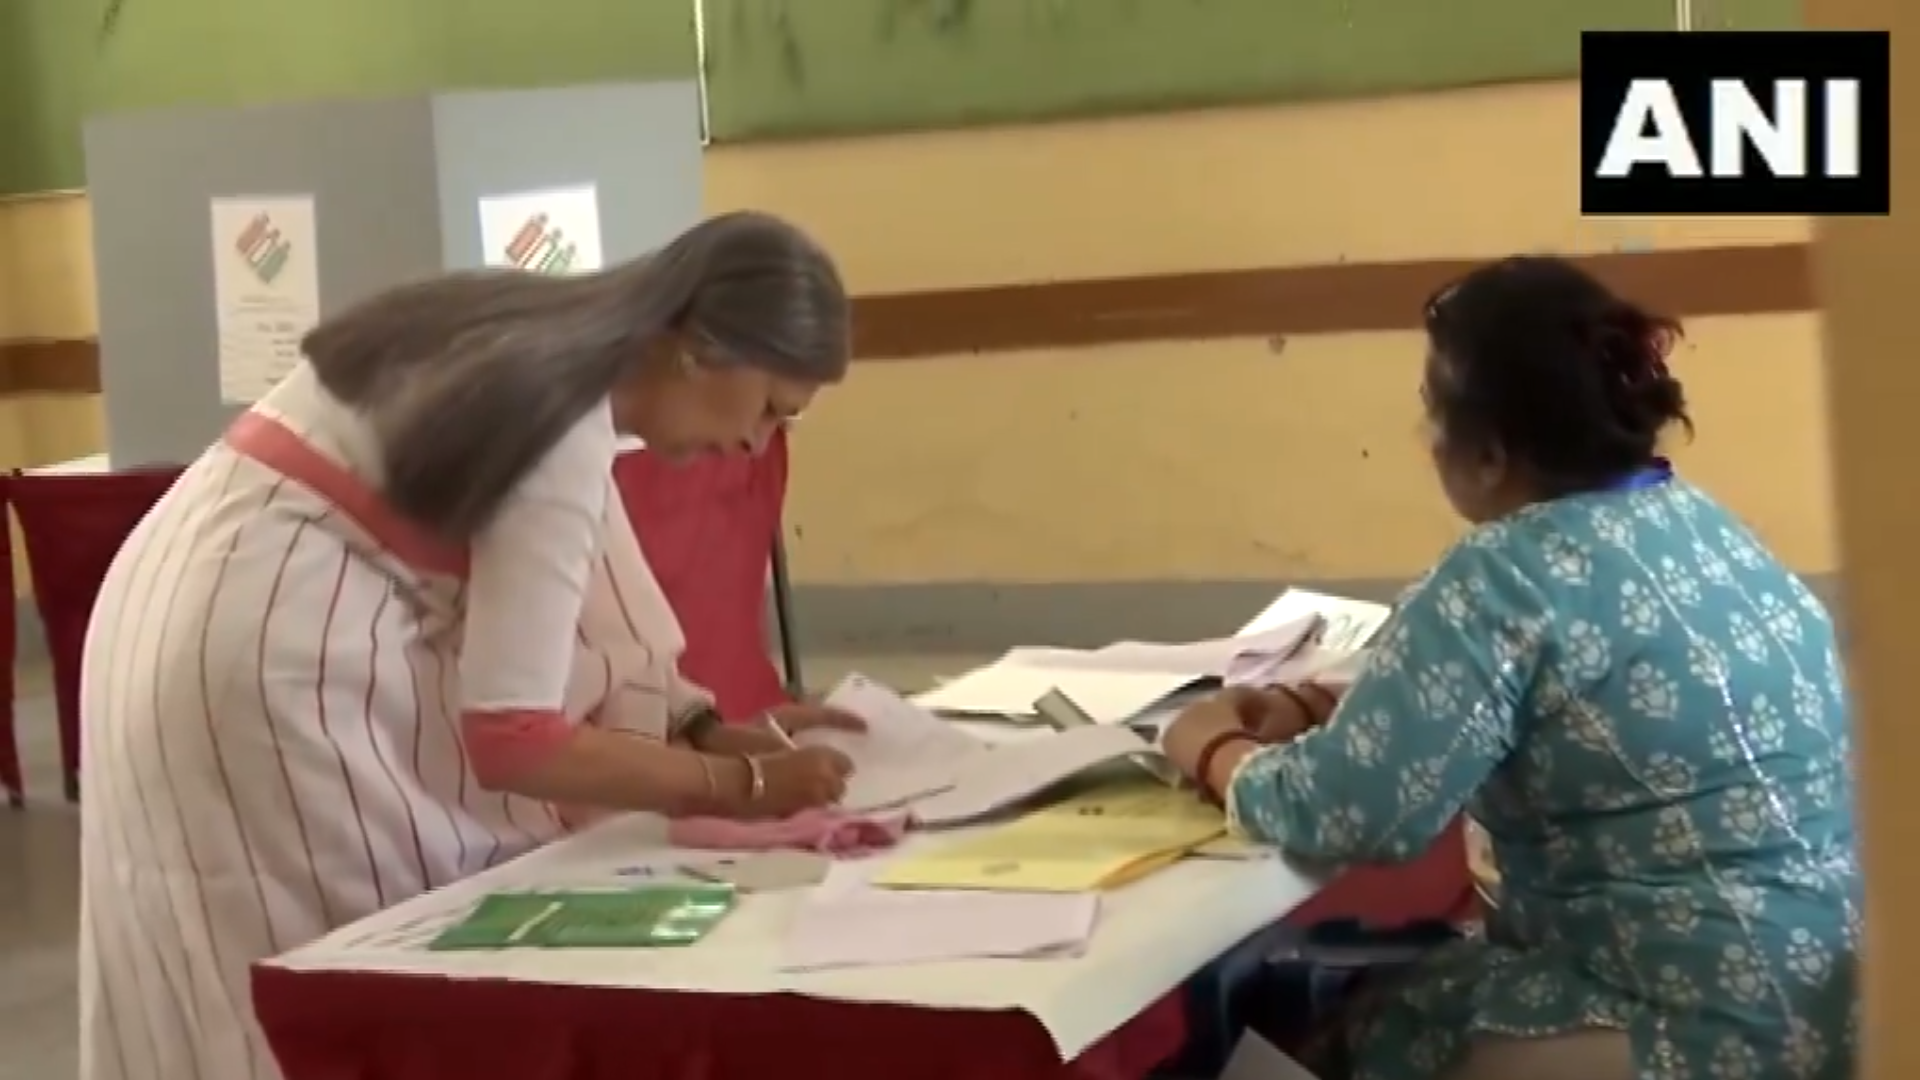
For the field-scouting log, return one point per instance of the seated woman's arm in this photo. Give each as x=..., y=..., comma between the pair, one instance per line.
x=1422, y=728
x=526, y=588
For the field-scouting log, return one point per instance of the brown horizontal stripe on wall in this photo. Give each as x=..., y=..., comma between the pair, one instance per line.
x=1291, y=300
x=49, y=367
x=1279, y=301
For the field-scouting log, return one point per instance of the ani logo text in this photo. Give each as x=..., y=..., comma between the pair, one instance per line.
x=1734, y=122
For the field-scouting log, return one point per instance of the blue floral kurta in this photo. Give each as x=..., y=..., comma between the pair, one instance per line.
x=1647, y=713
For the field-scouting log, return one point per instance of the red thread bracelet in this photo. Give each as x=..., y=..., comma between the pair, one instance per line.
x=1203, y=765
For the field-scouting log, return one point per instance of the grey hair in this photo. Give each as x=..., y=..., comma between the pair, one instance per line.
x=470, y=379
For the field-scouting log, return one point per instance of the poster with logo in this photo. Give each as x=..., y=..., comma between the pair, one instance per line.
x=556, y=231
x=266, y=289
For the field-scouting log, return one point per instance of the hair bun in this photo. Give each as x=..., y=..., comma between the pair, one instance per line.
x=1632, y=349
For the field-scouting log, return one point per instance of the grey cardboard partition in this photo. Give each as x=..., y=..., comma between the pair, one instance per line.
x=396, y=187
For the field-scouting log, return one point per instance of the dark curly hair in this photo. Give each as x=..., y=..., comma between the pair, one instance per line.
x=1537, y=359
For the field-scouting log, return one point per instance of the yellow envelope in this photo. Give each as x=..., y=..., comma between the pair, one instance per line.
x=1101, y=839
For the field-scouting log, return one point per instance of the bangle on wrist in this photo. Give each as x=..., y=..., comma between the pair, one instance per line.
x=1203, y=765
x=1328, y=700
x=1293, y=694
x=713, y=782
x=756, y=780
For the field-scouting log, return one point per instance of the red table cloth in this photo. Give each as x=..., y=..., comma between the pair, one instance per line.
x=352, y=1026
x=372, y=1026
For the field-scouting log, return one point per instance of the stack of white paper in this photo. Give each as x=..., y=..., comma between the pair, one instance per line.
x=1333, y=656
x=1008, y=775
x=846, y=922
x=1329, y=667
x=1346, y=624
x=906, y=752
x=1110, y=684
x=911, y=758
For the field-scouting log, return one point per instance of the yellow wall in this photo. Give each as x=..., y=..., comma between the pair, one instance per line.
x=1203, y=460
x=1219, y=459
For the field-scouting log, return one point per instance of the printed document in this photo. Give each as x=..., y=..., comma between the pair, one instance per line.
x=847, y=922
x=1347, y=625
x=907, y=752
x=1102, y=839
x=912, y=758
x=1112, y=684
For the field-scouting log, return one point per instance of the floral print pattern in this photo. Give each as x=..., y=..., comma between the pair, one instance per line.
x=1647, y=714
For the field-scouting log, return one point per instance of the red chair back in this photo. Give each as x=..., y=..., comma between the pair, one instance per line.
x=9, y=748
x=708, y=528
x=73, y=525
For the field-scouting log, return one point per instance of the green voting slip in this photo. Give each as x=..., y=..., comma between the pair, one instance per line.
x=658, y=916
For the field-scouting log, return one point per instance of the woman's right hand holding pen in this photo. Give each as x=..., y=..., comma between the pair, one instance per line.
x=803, y=778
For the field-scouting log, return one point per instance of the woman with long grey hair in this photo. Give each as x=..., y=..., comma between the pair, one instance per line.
x=394, y=628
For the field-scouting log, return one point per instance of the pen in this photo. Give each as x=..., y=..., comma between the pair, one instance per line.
x=779, y=732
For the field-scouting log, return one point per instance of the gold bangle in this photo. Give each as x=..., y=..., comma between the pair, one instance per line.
x=756, y=779
x=713, y=782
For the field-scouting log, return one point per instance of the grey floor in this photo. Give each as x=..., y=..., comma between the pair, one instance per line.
x=39, y=875
x=39, y=900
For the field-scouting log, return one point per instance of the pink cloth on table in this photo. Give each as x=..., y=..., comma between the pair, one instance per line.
x=830, y=832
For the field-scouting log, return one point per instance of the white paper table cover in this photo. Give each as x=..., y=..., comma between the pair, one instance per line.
x=1151, y=936
x=90, y=465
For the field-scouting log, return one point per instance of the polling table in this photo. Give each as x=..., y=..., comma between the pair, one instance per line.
x=370, y=1000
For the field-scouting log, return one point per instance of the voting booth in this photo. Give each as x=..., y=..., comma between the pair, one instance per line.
x=221, y=235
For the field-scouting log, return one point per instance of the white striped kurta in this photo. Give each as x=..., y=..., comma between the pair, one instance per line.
x=291, y=699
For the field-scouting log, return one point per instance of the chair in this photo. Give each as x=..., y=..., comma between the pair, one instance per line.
x=1438, y=886
x=10, y=777
x=73, y=525
x=711, y=531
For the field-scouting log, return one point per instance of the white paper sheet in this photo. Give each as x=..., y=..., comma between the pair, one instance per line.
x=907, y=752
x=1002, y=777
x=555, y=231
x=847, y=922
x=1112, y=684
x=1350, y=624
x=1193, y=659
x=266, y=289
x=1008, y=688
x=947, y=776
x=1330, y=667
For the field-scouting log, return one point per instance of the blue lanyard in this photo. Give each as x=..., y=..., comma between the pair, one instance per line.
x=1653, y=475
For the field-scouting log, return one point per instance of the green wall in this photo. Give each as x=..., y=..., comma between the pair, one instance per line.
x=780, y=68
x=55, y=68
x=1746, y=14
x=786, y=68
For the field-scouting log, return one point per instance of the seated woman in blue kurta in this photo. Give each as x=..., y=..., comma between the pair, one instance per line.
x=1641, y=705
